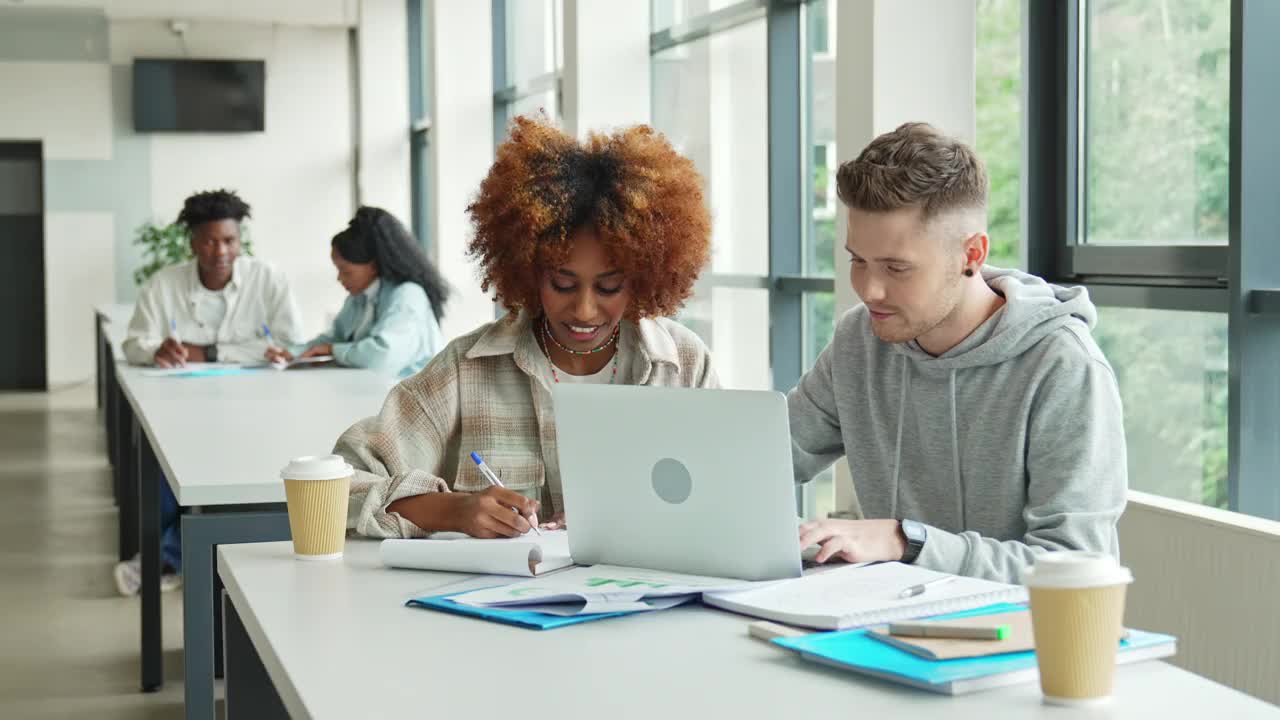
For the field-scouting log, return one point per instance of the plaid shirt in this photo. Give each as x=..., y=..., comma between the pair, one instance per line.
x=484, y=392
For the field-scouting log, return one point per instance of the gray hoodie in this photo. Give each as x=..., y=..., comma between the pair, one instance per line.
x=1007, y=445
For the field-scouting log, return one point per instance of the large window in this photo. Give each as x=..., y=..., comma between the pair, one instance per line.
x=1156, y=112
x=1143, y=107
x=1172, y=371
x=709, y=98
x=822, y=205
x=1155, y=100
x=998, y=110
x=528, y=59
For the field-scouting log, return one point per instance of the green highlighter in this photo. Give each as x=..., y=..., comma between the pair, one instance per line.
x=958, y=632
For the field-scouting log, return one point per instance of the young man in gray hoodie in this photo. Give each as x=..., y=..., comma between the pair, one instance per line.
x=981, y=422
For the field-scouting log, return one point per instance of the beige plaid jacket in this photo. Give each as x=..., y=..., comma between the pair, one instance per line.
x=484, y=393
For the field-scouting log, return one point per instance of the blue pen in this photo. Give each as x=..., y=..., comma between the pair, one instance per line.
x=266, y=333
x=494, y=481
x=173, y=333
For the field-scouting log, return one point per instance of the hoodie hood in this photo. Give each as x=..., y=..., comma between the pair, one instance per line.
x=1033, y=309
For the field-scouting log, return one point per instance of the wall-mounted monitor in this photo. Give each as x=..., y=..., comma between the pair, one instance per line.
x=183, y=95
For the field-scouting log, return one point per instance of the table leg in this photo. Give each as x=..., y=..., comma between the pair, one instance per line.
x=126, y=474
x=149, y=480
x=200, y=535
x=99, y=342
x=250, y=692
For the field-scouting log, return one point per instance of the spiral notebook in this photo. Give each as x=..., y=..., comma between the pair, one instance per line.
x=862, y=595
x=529, y=555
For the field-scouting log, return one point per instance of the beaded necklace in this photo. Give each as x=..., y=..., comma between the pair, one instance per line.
x=555, y=376
x=546, y=331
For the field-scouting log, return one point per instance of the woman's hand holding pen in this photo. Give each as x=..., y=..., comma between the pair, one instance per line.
x=279, y=356
x=485, y=514
x=490, y=514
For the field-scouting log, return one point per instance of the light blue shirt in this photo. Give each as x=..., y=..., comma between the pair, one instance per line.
x=402, y=337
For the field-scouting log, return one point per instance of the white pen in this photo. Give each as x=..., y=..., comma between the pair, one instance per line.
x=494, y=481
x=915, y=590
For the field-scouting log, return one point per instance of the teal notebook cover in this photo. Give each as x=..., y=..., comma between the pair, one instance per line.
x=519, y=618
x=209, y=372
x=853, y=649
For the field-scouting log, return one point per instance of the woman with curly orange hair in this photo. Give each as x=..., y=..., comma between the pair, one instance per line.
x=588, y=245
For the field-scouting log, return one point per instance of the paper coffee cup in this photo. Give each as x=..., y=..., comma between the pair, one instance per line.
x=316, y=489
x=1077, y=611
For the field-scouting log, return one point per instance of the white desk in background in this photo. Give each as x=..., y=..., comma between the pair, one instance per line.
x=333, y=640
x=111, y=325
x=220, y=442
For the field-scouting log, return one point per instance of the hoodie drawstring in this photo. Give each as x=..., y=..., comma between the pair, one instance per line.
x=955, y=451
x=897, y=447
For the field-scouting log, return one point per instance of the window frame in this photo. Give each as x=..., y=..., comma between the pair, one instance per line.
x=420, y=74
x=789, y=181
x=507, y=93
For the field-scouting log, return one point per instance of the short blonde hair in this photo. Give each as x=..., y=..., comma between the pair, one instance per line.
x=914, y=166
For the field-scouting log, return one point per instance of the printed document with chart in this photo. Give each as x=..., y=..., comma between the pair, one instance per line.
x=599, y=589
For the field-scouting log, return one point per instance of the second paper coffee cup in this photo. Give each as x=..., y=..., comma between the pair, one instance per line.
x=316, y=488
x=1077, y=607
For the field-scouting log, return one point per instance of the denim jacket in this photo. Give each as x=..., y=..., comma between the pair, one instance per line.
x=402, y=338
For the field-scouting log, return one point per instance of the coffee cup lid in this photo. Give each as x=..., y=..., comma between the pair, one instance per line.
x=1072, y=569
x=316, y=467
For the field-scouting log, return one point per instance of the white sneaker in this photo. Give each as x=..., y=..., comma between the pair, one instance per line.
x=128, y=575
x=170, y=581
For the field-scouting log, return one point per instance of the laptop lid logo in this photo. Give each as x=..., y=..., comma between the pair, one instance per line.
x=671, y=481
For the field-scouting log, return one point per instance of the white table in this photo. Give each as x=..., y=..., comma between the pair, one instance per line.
x=220, y=442
x=111, y=324
x=334, y=641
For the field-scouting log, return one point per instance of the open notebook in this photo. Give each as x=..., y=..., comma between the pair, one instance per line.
x=862, y=595
x=528, y=555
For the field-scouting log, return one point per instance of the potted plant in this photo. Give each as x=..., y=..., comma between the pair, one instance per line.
x=165, y=245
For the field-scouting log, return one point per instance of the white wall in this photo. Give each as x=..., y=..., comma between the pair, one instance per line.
x=295, y=12
x=67, y=106
x=461, y=142
x=898, y=61
x=297, y=175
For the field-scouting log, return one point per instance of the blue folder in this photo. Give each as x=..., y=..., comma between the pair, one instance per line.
x=519, y=618
x=854, y=650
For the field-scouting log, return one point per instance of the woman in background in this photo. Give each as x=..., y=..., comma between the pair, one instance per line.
x=390, y=320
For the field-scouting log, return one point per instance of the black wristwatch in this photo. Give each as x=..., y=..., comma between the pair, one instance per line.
x=916, y=534
x=211, y=353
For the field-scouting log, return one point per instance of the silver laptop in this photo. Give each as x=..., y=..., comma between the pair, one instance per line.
x=692, y=481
